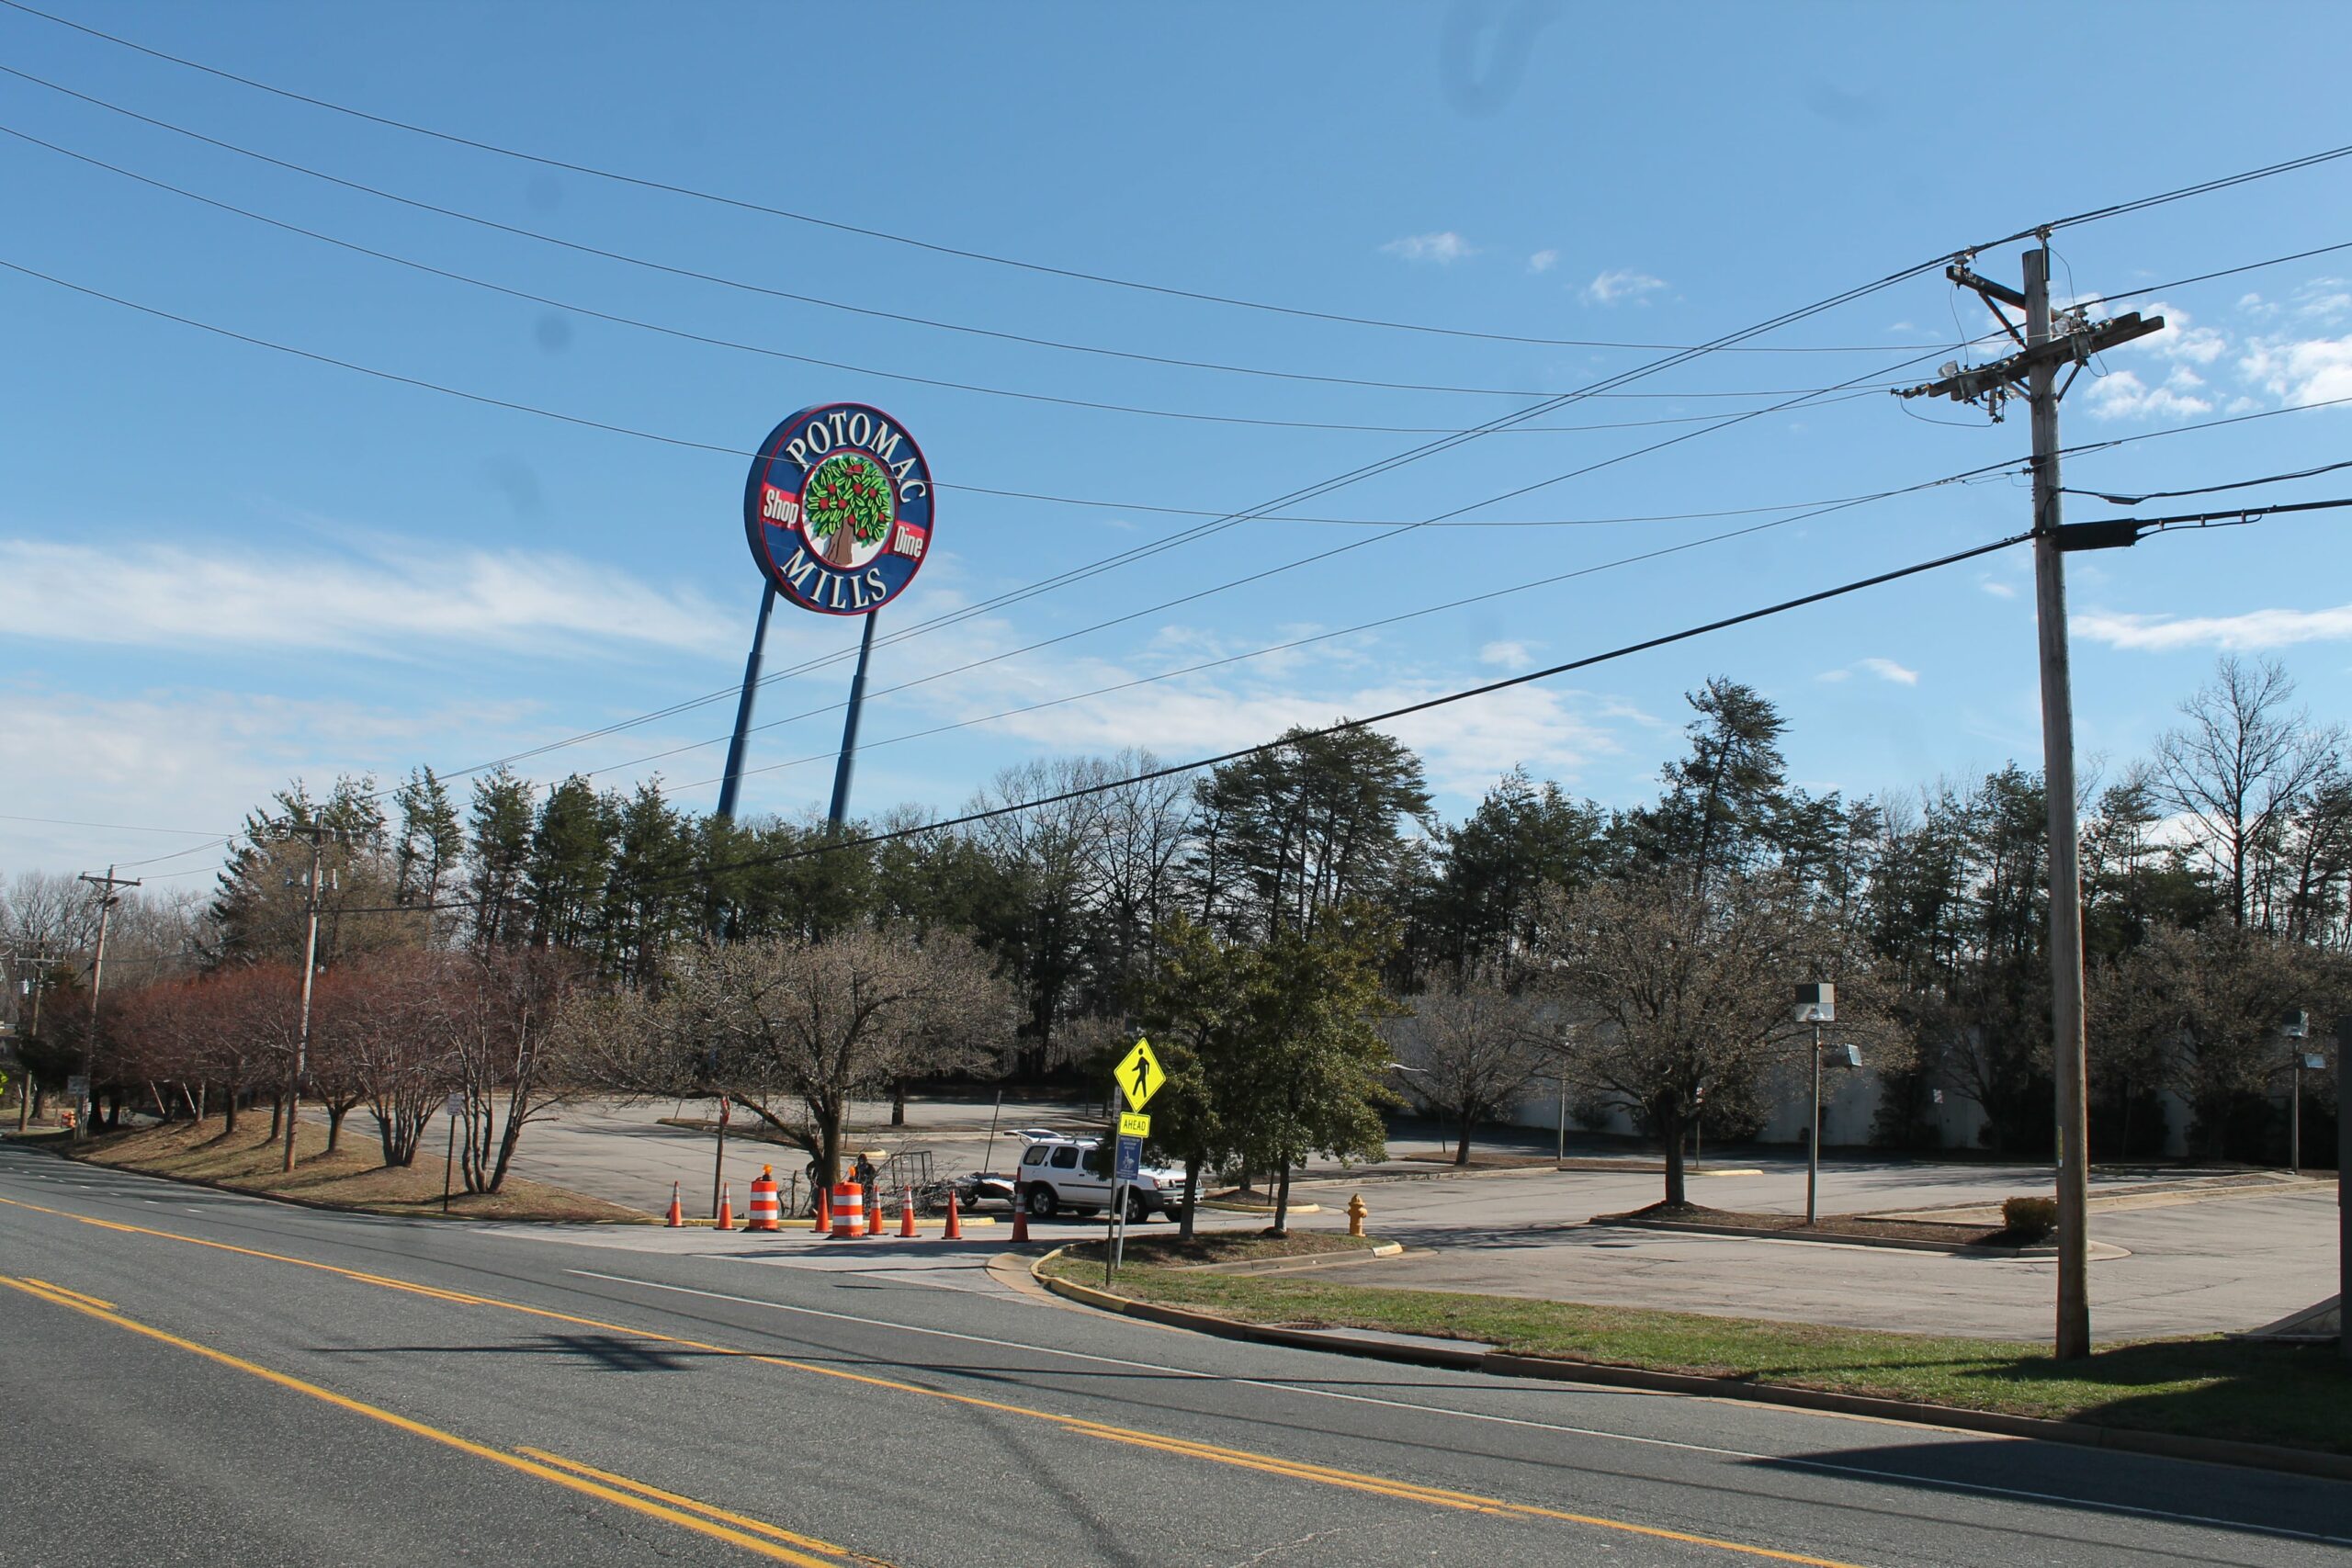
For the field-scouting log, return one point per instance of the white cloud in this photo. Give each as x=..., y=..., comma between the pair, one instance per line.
x=2253, y=629
x=1888, y=669
x=1543, y=261
x=1622, y=284
x=1445, y=247
x=1511, y=656
x=1997, y=590
x=200, y=759
x=2181, y=337
x=2121, y=394
x=2311, y=370
x=399, y=600
x=1885, y=669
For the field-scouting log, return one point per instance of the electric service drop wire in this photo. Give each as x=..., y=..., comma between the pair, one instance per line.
x=744, y=206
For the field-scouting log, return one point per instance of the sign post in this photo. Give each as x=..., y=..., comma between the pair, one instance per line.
x=453, y=1108
x=837, y=511
x=1139, y=1076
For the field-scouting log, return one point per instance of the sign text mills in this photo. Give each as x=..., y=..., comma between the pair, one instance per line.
x=843, y=428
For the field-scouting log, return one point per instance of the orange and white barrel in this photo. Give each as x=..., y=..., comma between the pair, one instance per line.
x=766, y=1212
x=849, y=1211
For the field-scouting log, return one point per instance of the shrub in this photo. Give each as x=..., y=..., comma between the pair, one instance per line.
x=2029, y=1219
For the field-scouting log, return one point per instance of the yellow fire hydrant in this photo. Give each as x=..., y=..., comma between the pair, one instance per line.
x=1356, y=1211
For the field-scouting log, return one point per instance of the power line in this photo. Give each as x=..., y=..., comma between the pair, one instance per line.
x=971, y=612
x=113, y=827
x=958, y=251
x=1405, y=711
x=1323, y=487
x=1010, y=653
x=2140, y=204
x=2092, y=215
x=2207, y=490
x=2245, y=515
x=738, y=346
x=1169, y=542
x=2225, y=272
x=723, y=281
x=1276, y=648
x=1389, y=716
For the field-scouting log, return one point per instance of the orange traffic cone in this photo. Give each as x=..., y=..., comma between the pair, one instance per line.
x=955, y=1222
x=906, y=1212
x=677, y=1215
x=726, y=1220
x=1020, y=1219
x=874, y=1209
x=824, y=1213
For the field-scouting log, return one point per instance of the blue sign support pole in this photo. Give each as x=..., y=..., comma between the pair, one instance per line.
x=733, y=781
x=838, y=811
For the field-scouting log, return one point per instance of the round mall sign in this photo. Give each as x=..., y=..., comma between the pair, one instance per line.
x=837, y=507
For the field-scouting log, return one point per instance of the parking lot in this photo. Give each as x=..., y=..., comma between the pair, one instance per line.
x=2166, y=1262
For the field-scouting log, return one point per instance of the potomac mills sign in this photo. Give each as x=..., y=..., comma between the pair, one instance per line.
x=837, y=507
x=837, y=511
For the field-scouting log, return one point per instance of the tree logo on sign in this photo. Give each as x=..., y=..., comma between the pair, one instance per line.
x=848, y=507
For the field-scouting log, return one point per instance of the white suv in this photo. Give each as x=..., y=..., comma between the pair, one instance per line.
x=1060, y=1172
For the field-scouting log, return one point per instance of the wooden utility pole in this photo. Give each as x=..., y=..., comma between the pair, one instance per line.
x=108, y=899
x=2049, y=342
x=318, y=836
x=42, y=964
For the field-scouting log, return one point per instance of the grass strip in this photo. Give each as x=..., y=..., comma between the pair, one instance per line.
x=2210, y=1387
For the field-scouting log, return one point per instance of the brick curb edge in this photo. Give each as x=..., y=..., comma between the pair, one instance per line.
x=2164, y=1445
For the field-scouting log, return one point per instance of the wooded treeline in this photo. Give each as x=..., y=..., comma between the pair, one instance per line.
x=1643, y=952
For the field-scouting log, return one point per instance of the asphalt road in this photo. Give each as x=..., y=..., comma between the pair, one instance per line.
x=200, y=1379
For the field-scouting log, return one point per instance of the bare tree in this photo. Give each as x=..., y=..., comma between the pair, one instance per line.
x=397, y=1043
x=1474, y=1047
x=2240, y=767
x=498, y=1017
x=1689, y=989
x=792, y=1029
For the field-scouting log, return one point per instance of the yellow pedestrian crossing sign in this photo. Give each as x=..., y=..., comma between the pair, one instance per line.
x=1139, y=1076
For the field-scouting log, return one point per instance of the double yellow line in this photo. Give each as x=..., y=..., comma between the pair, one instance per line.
x=756, y=1536
x=739, y=1530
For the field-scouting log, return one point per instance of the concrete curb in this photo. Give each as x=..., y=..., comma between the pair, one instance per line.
x=2164, y=1445
x=1895, y=1243
x=1266, y=1212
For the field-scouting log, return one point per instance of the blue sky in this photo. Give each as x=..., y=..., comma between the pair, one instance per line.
x=222, y=566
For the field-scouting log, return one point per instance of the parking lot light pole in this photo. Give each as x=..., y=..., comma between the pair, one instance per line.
x=1816, y=1004
x=2296, y=1028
